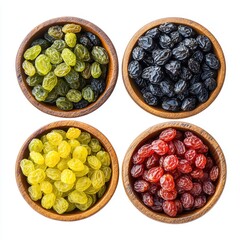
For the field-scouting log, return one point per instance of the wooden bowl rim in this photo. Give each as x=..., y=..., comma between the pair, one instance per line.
x=154, y=131
x=112, y=67
x=76, y=215
x=134, y=92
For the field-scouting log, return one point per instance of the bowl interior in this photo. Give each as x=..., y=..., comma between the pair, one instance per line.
x=153, y=132
x=133, y=89
x=76, y=214
x=111, y=78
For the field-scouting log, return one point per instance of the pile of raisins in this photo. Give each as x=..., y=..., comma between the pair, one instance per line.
x=174, y=67
x=174, y=173
x=67, y=170
x=67, y=67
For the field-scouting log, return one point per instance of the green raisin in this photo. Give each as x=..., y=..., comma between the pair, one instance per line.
x=75, y=85
x=55, y=32
x=54, y=137
x=94, y=162
x=82, y=173
x=68, y=57
x=27, y=166
x=37, y=157
x=46, y=187
x=107, y=173
x=104, y=157
x=86, y=73
x=59, y=45
x=47, y=147
x=35, y=145
x=98, y=179
x=95, y=145
x=68, y=176
x=101, y=191
x=88, y=94
x=62, y=87
x=62, y=70
x=79, y=66
x=49, y=81
x=72, y=77
x=48, y=200
x=70, y=39
x=35, y=192
x=74, y=95
x=52, y=158
x=39, y=93
x=32, y=52
x=83, y=183
x=62, y=164
x=64, y=149
x=36, y=176
x=81, y=153
x=95, y=70
x=52, y=96
x=82, y=52
x=75, y=164
x=54, y=55
x=28, y=68
x=71, y=28
x=85, y=137
x=100, y=55
x=64, y=104
x=88, y=204
x=63, y=187
x=60, y=205
x=53, y=173
x=77, y=197
x=34, y=80
x=43, y=64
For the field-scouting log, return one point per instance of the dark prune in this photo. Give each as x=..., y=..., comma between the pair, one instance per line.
x=93, y=38
x=185, y=31
x=181, y=52
x=188, y=104
x=138, y=53
x=180, y=86
x=134, y=69
x=156, y=90
x=167, y=88
x=153, y=73
x=176, y=37
x=150, y=99
x=153, y=33
x=194, y=65
x=191, y=43
x=173, y=68
x=165, y=41
x=210, y=84
x=204, y=43
x=198, y=56
x=167, y=27
x=81, y=104
x=146, y=43
x=185, y=74
x=171, y=104
x=161, y=56
x=212, y=61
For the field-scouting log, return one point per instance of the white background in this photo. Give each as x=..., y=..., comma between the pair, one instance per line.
x=120, y=119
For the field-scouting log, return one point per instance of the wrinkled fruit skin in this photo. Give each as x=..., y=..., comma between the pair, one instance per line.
x=174, y=172
x=174, y=67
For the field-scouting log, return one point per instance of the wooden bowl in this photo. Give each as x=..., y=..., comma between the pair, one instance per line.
x=153, y=132
x=112, y=74
x=75, y=214
x=134, y=91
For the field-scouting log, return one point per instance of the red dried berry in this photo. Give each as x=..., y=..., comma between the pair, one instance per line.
x=167, y=195
x=145, y=151
x=168, y=134
x=170, y=208
x=148, y=199
x=154, y=174
x=187, y=200
x=170, y=162
x=179, y=146
x=152, y=161
x=167, y=182
x=137, y=170
x=184, y=183
x=200, y=201
x=200, y=161
x=136, y=159
x=184, y=166
x=193, y=142
x=190, y=155
x=208, y=188
x=214, y=173
x=171, y=148
x=196, y=189
x=197, y=173
x=160, y=147
x=141, y=186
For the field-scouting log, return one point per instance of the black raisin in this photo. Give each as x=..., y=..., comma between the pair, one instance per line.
x=180, y=86
x=167, y=27
x=194, y=65
x=161, y=56
x=146, y=43
x=172, y=104
x=185, y=31
x=153, y=73
x=134, y=69
x=165, y=41
x=210, y=84
x=150, y=99
x=81, y=104
x=204, y=43
x=153, y=33
x=189, y=104
x=173, y=68
x=212, y=61
x=191, y=43
x=181, y=52
x=138, y=53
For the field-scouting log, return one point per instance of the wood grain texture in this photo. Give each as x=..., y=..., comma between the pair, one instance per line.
x=154, y=131
x=112, y=75
x=135, y=93
x=75, y=215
